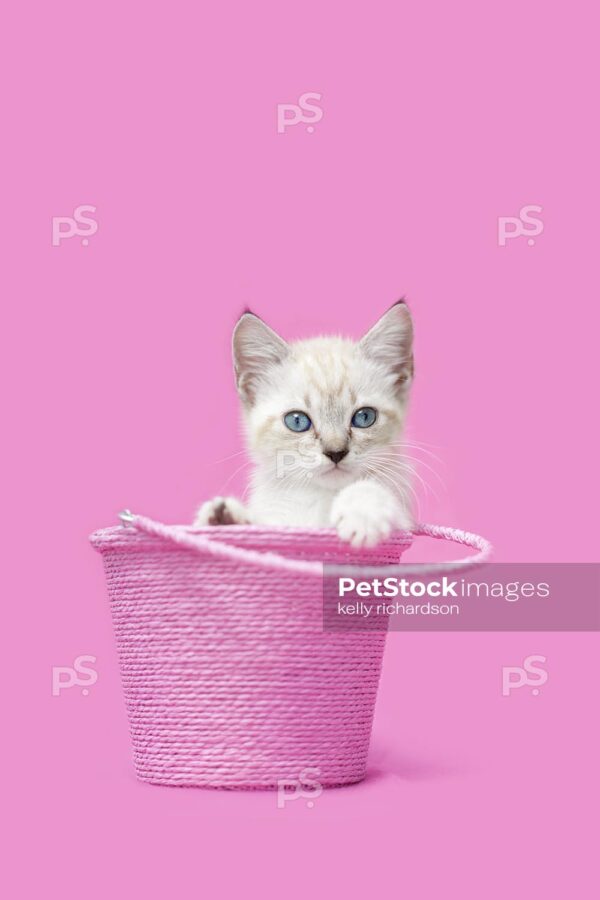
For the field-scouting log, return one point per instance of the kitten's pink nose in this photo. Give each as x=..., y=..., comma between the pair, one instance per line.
x=336, y=455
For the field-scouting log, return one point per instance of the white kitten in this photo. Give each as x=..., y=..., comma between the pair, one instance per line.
x=322, y=417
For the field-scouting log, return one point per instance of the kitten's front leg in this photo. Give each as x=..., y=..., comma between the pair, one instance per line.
x=365, y=513
x=222, y=511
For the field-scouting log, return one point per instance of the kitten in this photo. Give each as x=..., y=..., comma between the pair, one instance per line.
x=322, y=417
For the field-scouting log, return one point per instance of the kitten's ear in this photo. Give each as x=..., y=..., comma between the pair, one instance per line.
x=256, y=348
x=390, y=342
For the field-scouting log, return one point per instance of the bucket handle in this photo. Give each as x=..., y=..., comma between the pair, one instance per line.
x=268, y=560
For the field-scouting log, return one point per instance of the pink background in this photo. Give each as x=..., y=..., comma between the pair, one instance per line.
x=438, y=119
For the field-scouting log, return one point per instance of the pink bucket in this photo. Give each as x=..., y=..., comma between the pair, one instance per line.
x=228, y=676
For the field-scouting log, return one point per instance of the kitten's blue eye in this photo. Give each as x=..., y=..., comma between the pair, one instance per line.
x=364, y=417
x=297, y=421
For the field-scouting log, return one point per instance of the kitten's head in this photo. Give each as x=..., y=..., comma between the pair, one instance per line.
x=326, y=409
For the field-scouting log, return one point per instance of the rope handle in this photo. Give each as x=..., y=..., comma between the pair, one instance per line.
x=268, y=560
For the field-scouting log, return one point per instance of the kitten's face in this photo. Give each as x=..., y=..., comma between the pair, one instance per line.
x=327, y=410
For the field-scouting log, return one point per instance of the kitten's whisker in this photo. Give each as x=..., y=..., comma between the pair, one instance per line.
x=420, y=462
x=233, y=474
x=417, y=443
x=403, y=488
x=429, y=468
x=424, y=484
x=396, y=464
x=214, y=462
x=398, y=488
x=404, y=444
x=399, y=481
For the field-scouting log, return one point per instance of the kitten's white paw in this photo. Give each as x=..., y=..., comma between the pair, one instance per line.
x=222, y=511
x=365, y=513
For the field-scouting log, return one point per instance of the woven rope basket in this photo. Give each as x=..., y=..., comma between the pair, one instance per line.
x=228, y=676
